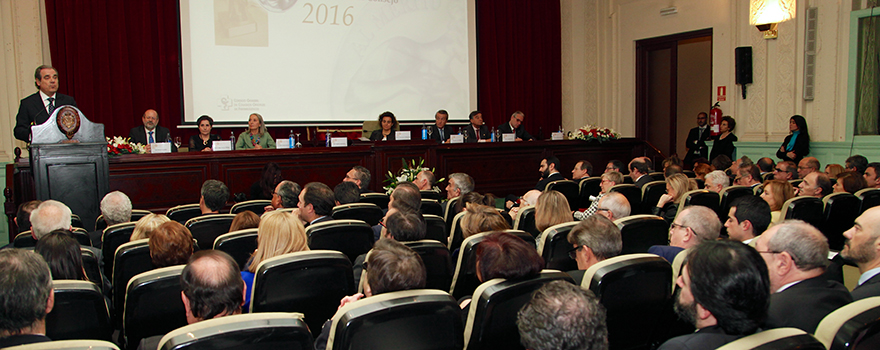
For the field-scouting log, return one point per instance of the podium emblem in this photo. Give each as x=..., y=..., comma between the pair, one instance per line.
x=68, y=121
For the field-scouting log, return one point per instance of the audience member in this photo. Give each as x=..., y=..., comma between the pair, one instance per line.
x=672, y=170
x=27, y=297
x=116, y=209
x=695, y=224
x=145, y=226
x=49, y=216
x=725, y=292
x=872, y=175
x=775, y=193
x=748, y=217
x=857, y=163
x=815, y=184
x=488, y=200
x=315, y=203
x=279, y=233
x=360, y=176
x=861, y=248
x=593, y=240
x=269, y=180
x=667, y=206
x=503, y=255
x=552, y=209
x=722, y=162
x=766, y=165
x=701, y=170
x=609, y=179
x=459, y=184
x=638, y=171
x=716, y=181
x=796, y=254
x=285, y=195
x=401, y=226
x=561, y=315
x=748, y=175
x=62, y=253
x=614, y=165
x=832, y=170
x=345, y=193
x=670, y=161
x=613, y=206
x=528, y=199
x=214, y=197
x=244, y=220
x=786, y=170
x=23, y=215
x=850, y=182
x=582, y=170
x=549, y=172
x=807, y=165
x=170, y=244
x=406, y=197
x=481, y=218
x=425, y=180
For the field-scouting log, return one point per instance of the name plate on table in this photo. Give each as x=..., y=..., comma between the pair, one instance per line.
x=508, y=137
x=557, y=136
x=338, y=142
x=160, y=147
x=402, y=135
x=282, y=143
x=222, y=145
x=456, y=138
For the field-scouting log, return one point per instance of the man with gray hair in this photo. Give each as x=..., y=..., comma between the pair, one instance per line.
x=693, y=225
x=786, y=170
x=214, y=197
x=360, y=176
x=515, y=127
x=27, y=296
x=286, y=195
x=613, y=206
x=561, y=315
x=716, y=181
x=425, y=180
x=49, y=216
x=797, y=254
x=116, y=209
x=593, y=240
x=460, y=184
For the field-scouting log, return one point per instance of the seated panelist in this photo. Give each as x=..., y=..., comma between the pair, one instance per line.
x=515, y=127
x=256, y=136
x=476, y=131
x=204, y=141
x=151, y=131
x=389, y=124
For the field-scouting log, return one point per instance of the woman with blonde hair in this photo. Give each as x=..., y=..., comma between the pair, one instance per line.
x=481, y=218
x=256, y=136
x=146, y=225
x=279, y=233
x=244, y=220
x=667, y=206
x=775, y=193
x=552, y=209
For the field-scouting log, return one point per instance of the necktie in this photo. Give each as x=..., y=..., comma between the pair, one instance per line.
x=151, y=138
x=51, y=106
x=441, y=133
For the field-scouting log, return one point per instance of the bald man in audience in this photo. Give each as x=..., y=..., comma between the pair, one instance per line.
x=693, y=225
x=863, y=249
x=115, y=209
x=815, y=184
x=212, y=287
x=286, y=195
x=214, y=197
x=807, y=165
x=716, y=181
x=27, y=296
x=872, y=175
x=796, y=254
x=593, y=240
x=613, y=206
x=747, y=218
x=638, y=171
x=425, y=180
x=766, y=165
x=786, y=170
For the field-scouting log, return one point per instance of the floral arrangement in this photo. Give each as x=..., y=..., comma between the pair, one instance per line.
x=123, y=145
x=589, y=132
x=408, y=172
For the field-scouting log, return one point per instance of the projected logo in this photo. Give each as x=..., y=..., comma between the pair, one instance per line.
x=277, y=5
x=226, y=103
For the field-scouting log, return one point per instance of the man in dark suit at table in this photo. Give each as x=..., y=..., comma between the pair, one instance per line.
x=515, y=127
x=151, y=131
x=476, y=132
x=549, y=172
x=440, y=131
x=696, y=141
x=36, y=108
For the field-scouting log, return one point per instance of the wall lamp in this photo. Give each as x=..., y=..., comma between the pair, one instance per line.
x=766, y=14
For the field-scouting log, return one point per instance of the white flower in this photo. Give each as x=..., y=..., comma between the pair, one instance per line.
x=401, y=178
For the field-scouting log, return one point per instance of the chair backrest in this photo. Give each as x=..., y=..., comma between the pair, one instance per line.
x=258, y=206
x=491, y=322
x=206, y=228
x=436, y=228
x=870, y=198
x=569, y=189
x=379, y=199
x=366, y=212
x=728, y=195
x=635, y=290
x=796, y=182
x=689, y=173
x=113, y=237
x=651, y=194
x=640, y=232
x=81, y=236
x=841, y=210
x=153, y=305
x=525, y=220
x=431, y=207
x=703, y=198
x=411, y=319
x=525, y=236
x=80, y=312
x=757, y=190
x=657, y=176
x=431, y=194
x=76, y=221
x=776, y=339
x=136, y=214
x=68, y=345
x=310, y=282
x=182, y=213
x=351, y=237
x=449, y=212
x=808, y=209
x=456, y=236
x=555, y=247
x=131, y=259
x=464, y=280
x=588, y=187
x=91, y=266
x=263, y=330
x=677, y=264
x=24, y=240
x=852, y=326
x=238, y=244
x=632, y=193
x=438, y=262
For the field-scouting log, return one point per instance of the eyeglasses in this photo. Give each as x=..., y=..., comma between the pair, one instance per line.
x=780, y=170
x=382, y=222
x=674, y=225
x=572, y=253
x=768, y=252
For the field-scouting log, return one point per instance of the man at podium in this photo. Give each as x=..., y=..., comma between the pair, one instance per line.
x=36, y=108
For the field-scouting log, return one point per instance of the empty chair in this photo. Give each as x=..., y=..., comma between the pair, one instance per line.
x=632, y=193
x=69, y=345
x=808, y=209
x=182, y=213
x=449, y=211
x=24, y=240
x=379, y=199
x=431, y=194
x=491, y=322
x=703, y=198
x=525, y=220
x=411, y=319
x=351, y=237
x=310, y=282
x=841, y=210
x=776, y=339
x=636, y=290
x=258, y=206
x=436, y=228
x=438, y=262
x=238, y=244
x=555, y=247
x=136, y=214
x=113, y=237
x=76, y=221
x=589, y=187
x=870, y=197
x=206, y=228
x=366, y=212
x=131, y=259
x=569, y=189
x=80, y=312
x=153, y=305
x=431, y=207
x=275, y=330
x=651, y=194
x=640, y=232
x=852, y=326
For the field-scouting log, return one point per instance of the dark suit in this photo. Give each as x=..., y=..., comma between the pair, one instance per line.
x=320, y=220
x=22, y=339
x=804, y=304
x=871, y=288
x=435, y=133
x=710, y=337
x=377, y=136
x=665, y=251
x=472, y=137
x=138, y=134
x=32, y=110
x=520, y=132
x=696, y=145
x=642, y=181
x=150, y=343
x=801, y=148
x=543, y=183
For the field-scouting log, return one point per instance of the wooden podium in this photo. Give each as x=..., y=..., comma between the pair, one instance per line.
x=68, y=156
